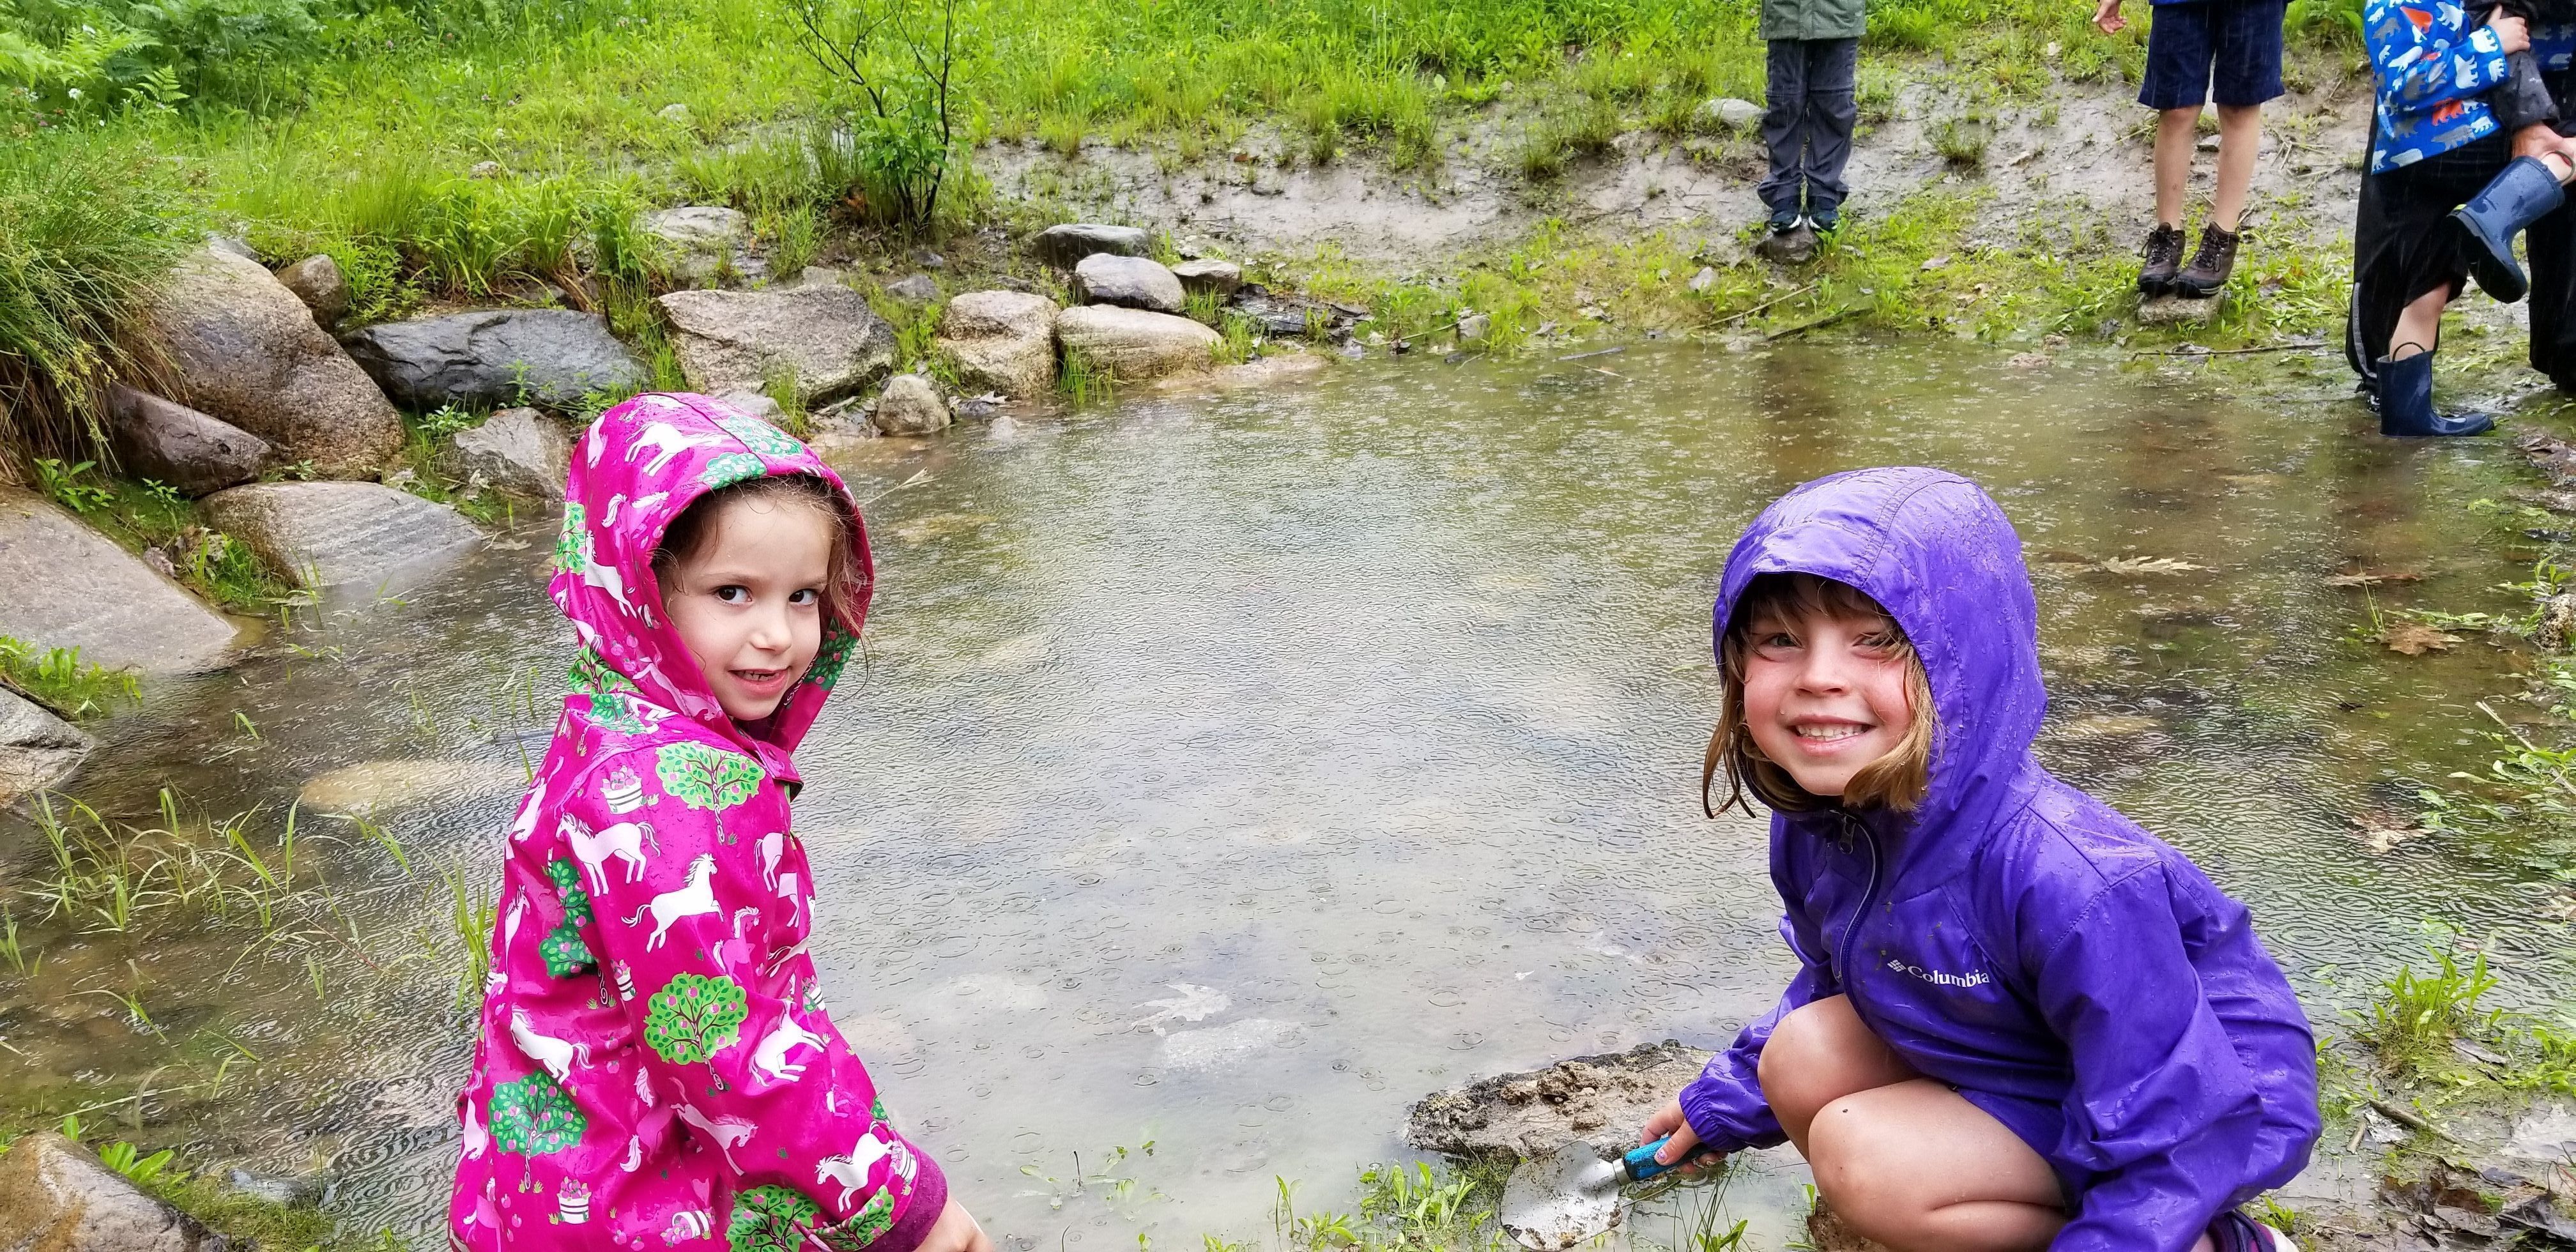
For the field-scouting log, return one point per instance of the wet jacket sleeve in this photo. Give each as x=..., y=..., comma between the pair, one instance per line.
x=2162, y=1108
x=1725, y=1105
x=2423, y=62
x=710, y=937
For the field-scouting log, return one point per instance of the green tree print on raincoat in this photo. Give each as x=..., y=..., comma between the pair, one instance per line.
x=651, y=1036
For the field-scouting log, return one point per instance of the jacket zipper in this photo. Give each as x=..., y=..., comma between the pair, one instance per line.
x=1851, y=931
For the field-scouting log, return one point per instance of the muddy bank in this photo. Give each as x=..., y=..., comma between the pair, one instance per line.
x=1603, y=1100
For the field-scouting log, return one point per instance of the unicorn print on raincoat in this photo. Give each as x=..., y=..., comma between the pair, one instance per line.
x=2070, y=974
x=656, y=1068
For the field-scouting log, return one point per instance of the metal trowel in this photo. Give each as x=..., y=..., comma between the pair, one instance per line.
x=1552, y=1203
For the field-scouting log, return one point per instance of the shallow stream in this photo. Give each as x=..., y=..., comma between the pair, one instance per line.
x=1230, y=771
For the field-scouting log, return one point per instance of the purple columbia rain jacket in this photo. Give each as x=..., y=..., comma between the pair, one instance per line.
x=2066, y=971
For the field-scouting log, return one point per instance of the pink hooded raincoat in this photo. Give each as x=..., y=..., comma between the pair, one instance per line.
x=656, y=1067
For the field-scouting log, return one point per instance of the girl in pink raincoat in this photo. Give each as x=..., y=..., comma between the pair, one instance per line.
x=656, y=1067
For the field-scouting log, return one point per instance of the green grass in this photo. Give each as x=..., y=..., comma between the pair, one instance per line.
x=2415, y=1018
x=55, y=678
x=144, y=516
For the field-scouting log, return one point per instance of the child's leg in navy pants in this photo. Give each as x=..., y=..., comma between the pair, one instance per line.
x=1809, y=124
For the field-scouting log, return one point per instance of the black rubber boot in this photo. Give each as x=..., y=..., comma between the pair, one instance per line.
x=2522, y=194
x=2406, y=402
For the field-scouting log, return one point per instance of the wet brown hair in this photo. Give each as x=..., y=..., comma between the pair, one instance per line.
x=845, y=584
x=1896, y=781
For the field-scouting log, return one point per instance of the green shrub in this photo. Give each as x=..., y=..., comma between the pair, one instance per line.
x=87, y=233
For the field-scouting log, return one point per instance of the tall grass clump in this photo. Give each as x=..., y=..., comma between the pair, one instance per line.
x=2415, y=1018
x=87, y=233
x=56, y=678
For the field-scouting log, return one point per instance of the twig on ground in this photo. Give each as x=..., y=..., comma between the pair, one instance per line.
x=2413, y=1120
x=1818, y=324
x=1737, y=317
x=1583, y=356
x=2196, y=350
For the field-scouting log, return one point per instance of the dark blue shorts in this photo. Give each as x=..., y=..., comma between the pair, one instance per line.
x=2229, y=50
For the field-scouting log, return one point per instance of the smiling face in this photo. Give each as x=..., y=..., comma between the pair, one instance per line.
x=1825, y=693
x=748, y=599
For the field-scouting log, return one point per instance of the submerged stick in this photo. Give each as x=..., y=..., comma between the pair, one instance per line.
x=2413, y=1120
x=2191, y=350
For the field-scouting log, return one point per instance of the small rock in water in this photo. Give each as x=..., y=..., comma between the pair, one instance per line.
x=37, y=749
x=910, y=405
x=517, y=450
x=298, y=1193
x=372, y=785
x=1704, y=279
x=975, y=408
x=914, y=289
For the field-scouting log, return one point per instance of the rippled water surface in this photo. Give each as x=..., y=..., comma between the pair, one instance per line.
x=1230, y=771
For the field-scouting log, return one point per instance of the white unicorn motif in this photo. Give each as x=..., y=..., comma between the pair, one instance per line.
x=624, y=841
x=556, y=1055
x=771, y=1056
x=477, y=1140
x=510, y=923
x=667, y=442
x=606, y=578
x=525, y=824
x=794, y=894
x=852, y=1171
x=695, y=899
x=634, y=1154
x=727, y=1132
x=772, y=846
x=644, y=1086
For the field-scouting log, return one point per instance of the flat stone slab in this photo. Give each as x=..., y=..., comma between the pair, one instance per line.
x=37, y=749
x=63, y=585
x=2177, y=310
x=826, y=338
x=1064, y=246
x=552, y=357
x=369, y=786
x=57, y=1197
x=1603, y=1100
x=341, y=534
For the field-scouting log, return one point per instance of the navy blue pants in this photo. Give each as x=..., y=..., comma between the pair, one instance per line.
x=1809, y=125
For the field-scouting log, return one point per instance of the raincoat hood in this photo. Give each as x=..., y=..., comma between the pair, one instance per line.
x=1938, y=554
x=637, y=468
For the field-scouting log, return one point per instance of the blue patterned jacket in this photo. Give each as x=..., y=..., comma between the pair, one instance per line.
x=2433, y=67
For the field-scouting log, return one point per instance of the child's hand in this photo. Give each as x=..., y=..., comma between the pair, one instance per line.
x=1668, y=1121
x=2108, y=18
x=956, y=1231
x=2512, y=31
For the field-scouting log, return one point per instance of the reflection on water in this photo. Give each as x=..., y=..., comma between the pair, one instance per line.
x=1228, y=772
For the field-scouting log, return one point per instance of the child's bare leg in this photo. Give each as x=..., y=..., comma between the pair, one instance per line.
x=2176, y=136
x=2240, y=132
x=2419, y=324
x=1917, y=1167
x=1818, y=1054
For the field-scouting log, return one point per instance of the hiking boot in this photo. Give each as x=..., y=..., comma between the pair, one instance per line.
x=2215, y=259
x=2163, y=251
x=2522, y=194
x=2405, y=399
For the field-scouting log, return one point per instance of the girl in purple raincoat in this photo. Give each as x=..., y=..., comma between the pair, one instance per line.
x=656, y=1067
x=2019, y=1020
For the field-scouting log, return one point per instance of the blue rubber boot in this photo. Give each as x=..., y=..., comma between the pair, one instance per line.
x=2406, y=402
x=2522, y=194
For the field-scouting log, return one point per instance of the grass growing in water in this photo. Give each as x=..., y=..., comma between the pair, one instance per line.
x=2416, y=1018
x=55, y=678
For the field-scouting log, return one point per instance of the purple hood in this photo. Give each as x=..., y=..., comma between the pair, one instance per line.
x=2069, y=973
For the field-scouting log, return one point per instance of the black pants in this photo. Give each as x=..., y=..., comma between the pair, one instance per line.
x=2403, y=248
x=1809, y=124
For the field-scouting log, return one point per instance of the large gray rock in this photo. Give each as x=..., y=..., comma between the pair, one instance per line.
x=827, y=338
x=56, y=1197
x=1000, y=341
x=520, y=451
x=37, y=749
x=317, y=281
x=1209, y=274
x=1132, y=281
x=341, y=534
x=1726, y=113
x=63, y=585
x=175, y=444
x=1133, y=343
x=248, y=352
x=695, y=240
x=911, y=405
x=1065, y=246
x=551, y=357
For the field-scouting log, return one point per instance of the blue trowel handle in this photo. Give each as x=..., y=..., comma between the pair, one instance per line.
x=1640, y=1163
